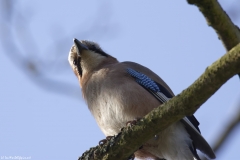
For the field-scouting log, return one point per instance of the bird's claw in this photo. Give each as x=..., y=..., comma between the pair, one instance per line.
x=133, y=122
x=102, y=142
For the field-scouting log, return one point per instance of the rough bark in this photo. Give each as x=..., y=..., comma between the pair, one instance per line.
x=218, y=19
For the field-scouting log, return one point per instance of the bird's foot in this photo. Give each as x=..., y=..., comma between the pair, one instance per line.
x=133, y=122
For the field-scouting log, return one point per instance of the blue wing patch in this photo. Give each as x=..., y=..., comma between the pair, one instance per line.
x=143, y=80
x=190, y=122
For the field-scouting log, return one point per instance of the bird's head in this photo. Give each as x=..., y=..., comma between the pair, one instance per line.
x=85, y=57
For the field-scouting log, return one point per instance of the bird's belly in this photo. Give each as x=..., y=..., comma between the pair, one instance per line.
x=112, y=117
x=112, y=109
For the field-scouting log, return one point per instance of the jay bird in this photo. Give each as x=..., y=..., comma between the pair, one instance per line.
x=118, y=92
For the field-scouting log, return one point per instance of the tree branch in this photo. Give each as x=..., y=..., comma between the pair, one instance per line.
x=230, y=36
x=186, y=103
x=218, y=19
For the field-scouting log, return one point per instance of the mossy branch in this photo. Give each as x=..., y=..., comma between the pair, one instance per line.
x=220, y=21
x=228, y=33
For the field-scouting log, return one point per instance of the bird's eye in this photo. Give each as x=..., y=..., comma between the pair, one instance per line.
x=75, y=62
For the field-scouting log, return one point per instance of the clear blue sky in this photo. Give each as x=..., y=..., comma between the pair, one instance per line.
x=169, y=37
